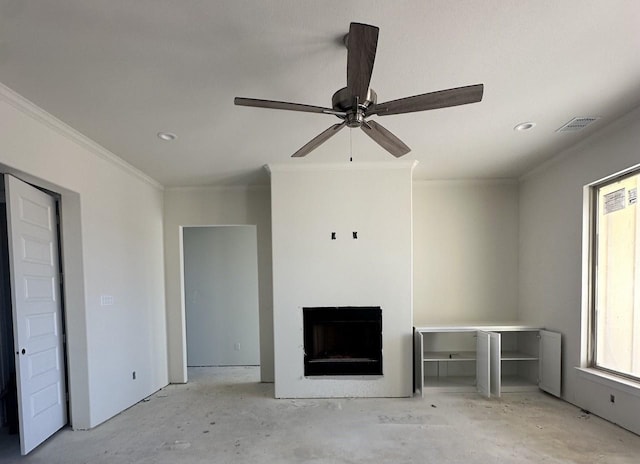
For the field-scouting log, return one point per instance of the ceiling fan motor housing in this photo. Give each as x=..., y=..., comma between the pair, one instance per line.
x=342, y=100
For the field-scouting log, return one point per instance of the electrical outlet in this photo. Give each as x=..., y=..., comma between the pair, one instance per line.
x=133, y=375
x=106, y=300
x=612, y=398
x=236, y=346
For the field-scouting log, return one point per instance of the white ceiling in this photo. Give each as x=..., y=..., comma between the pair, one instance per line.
x=120, y=71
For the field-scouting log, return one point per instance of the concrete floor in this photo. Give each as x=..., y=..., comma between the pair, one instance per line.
x=223, y=415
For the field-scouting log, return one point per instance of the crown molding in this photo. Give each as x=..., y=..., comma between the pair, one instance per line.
x=218, y=188
x=35, y=112
x=470, y=181
x=357, y=166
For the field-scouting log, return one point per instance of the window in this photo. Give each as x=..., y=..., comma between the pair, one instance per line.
x=615, y=317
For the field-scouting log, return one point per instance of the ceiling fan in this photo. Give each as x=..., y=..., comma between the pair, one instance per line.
x=356, y=102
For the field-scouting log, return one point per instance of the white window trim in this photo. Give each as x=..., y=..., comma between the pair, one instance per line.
x=584, y=370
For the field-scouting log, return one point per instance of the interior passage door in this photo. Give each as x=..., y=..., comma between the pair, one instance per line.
x=37, y=318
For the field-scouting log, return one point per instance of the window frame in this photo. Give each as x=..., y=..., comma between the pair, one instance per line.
x=592, y=361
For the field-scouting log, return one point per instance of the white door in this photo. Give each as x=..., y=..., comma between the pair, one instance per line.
x=495, y=363
x=418, y=356
x=37, y=321
x=483, y=365
x=550, y=362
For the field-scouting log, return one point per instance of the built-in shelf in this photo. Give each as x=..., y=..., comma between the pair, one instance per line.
x=488, y=359
x=449, y=356
x=517, y=356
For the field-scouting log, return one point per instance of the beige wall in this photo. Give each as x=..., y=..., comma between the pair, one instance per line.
x=465, y=256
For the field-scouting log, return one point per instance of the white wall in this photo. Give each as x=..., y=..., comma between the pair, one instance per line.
x=198, y=206
x=312, y=270
x=221, y=296
x=112, y=240
x=465, y=252
x=551, y=250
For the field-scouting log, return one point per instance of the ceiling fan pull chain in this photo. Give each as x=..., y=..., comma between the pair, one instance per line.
x=351, y=144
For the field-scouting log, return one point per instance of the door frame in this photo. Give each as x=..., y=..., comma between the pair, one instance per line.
x=183, y=306
x=73, y=294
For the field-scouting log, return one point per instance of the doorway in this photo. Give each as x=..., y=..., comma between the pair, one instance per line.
x=32, y=356
x=221, y=295
x=8, y=398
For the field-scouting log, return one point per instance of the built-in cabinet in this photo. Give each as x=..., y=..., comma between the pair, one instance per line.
x=487, y=359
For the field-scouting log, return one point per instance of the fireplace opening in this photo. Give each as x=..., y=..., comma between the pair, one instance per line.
x=342, y=341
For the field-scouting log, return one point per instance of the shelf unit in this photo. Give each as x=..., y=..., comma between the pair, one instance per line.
x=490, y=359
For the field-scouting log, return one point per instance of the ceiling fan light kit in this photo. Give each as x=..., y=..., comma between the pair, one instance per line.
x=356, y=102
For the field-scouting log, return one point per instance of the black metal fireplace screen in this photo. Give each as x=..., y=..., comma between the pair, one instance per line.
x=343, y=340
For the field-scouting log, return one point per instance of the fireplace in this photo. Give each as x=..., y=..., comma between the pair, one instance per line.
x=342, y=341
x=339, y=354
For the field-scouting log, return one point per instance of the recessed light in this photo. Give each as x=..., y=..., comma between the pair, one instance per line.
x=524, y=126
x=167, y=136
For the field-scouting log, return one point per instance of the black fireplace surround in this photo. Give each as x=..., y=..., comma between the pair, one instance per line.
x=344, y=340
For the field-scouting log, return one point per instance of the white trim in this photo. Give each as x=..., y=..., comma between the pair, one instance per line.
x=609, y=380
x=470, y=181
x=496, y=327
x=34, y=111
x=280, y=167
x=209, y=226
x=221, y=188
x=635, y=356
x=586, y=267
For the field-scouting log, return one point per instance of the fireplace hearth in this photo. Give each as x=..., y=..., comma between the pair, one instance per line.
x=343, y=340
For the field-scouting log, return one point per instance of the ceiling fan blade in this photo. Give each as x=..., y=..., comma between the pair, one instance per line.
x=362, y=43
x=430, y=101
x=385, y=139
x=278, y=105
x=318, y=140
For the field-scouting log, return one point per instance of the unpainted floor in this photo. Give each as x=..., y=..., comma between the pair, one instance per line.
x=224, y=415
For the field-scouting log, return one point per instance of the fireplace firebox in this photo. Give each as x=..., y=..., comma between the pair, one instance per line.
x=343, y=340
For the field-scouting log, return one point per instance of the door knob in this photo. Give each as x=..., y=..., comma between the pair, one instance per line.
x=24, y=351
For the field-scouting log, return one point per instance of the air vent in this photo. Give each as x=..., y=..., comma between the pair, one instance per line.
x=577, y=124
